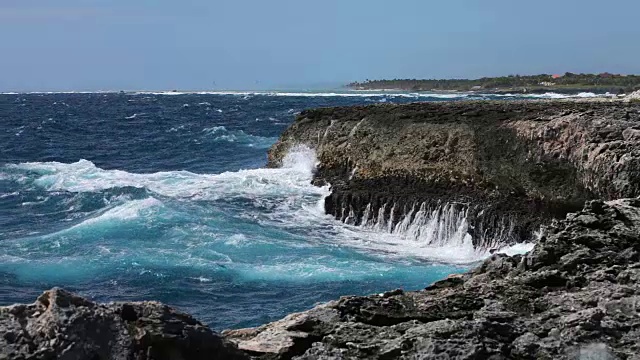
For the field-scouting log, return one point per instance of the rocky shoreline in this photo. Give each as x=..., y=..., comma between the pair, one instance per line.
x=577, y=293
x=570, y=167
x=510, y=166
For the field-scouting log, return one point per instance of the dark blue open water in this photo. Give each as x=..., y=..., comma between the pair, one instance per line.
x=163, y=197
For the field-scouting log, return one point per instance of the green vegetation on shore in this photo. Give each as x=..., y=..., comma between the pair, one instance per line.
x=567, y=82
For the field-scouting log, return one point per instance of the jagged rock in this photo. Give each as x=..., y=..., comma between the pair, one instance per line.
x=553, y=303
x=61, y=325
x=509, y=166
x=288, y=336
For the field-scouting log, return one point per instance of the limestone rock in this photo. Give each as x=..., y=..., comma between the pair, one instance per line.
x=61, y=325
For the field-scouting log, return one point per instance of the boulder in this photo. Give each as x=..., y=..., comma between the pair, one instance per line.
x=61, y=325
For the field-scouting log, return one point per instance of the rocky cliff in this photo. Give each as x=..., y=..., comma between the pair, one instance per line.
x=506, y=166
x=575, y=296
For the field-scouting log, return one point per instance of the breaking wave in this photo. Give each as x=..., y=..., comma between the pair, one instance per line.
x=84, y=176
x=379, y=94
x=281, y=199
x=349, y=94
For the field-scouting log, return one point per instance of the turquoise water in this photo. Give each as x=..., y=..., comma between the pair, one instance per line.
x=164, y=197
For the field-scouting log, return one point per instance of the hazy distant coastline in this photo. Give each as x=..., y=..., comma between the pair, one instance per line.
x=564, y=84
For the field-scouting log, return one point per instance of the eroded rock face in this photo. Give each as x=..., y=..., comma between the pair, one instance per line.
x=61, y=325
x=575, y=295
x=526, y=162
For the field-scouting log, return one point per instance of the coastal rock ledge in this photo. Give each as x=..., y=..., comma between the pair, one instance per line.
x=507, y=167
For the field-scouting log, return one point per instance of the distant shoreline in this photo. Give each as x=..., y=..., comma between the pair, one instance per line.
x=568, y=83
x=505, y=91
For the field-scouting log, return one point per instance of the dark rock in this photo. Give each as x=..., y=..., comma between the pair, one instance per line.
x=61, y=325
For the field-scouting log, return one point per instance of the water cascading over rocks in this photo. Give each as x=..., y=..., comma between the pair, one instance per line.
x=432, y=224
x=501, y=169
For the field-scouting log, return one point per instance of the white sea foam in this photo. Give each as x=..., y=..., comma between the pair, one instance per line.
x=308, y=271
x=176, y=128
x=353, y=93
x=84, y=176
x=6, y=195
x=293, y=205
x=455, y=247
x=128, y=211
x=383, y=94
x=215, y=129
x=134, y=116
x=517, y=249
x=316, y=94
x=237, y=240
x=552, y=95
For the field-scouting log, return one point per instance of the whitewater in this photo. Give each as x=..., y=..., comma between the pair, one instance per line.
x=144, y=196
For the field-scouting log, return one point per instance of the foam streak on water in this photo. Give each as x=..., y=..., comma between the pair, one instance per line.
x=374, y=93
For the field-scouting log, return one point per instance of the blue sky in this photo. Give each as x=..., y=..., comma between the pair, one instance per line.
x=242, y=44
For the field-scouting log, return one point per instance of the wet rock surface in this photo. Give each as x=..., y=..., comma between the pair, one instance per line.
x=61, y=325
x=524, y=161
x=575, y=295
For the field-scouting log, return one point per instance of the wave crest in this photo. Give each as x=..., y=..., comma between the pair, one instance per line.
x=84, y=176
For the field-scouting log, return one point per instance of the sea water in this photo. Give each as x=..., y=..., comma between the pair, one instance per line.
x=164, y=196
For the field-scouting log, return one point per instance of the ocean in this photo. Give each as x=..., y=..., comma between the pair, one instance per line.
x=164, y=196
